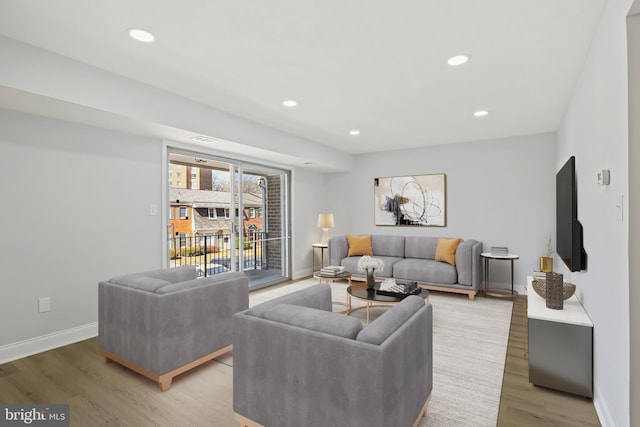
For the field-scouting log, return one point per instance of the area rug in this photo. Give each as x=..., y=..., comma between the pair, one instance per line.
x=469, y=350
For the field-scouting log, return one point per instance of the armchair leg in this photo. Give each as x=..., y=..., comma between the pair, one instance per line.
x=164, y=380
x=245, y=422
x=423, y=411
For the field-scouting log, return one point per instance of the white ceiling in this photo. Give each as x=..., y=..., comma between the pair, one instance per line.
x=375, y=65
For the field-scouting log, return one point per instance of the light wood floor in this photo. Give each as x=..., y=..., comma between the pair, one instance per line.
x=101, y=394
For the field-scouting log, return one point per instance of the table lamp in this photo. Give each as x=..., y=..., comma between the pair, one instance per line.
x=325, y=221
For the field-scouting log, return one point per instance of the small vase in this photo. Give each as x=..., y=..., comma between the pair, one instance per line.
x=546, y=264
x=371, y=279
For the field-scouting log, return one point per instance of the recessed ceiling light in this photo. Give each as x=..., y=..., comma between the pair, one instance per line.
x=141, y=35
x=480, y=113
x=289, y=103
x=309, y=163
x=458, y=60
x=354, y=132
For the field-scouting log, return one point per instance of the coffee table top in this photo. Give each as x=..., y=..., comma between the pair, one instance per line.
x=343, y=276
x=360, y=291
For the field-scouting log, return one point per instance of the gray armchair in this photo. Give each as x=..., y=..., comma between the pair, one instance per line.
x=295, y=363
x=162, y=323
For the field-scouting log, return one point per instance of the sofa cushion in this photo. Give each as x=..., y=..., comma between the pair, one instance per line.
x=173, y=275
x=420, y=247
x=202, y=281
x=425, y=271
x=385, y=325
x=446, y=250
x=392, y=246
x=316, y=320
x=140, y=282
x=315, y=296
x=359, y=245
x=175, y=287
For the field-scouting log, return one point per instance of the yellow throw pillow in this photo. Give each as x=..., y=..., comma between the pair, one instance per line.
x=359, y=245
x=446, y=250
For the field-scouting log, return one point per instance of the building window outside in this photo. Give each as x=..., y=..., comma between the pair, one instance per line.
x=222, y=213
x=182, y=212
x=252, y=212
x=259, y=212
x=211, y=213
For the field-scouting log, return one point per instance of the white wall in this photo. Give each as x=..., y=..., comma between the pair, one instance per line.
x=309, y=200
x=75, y=211
x=633, y=32
x=501, y=192
x=595, y=131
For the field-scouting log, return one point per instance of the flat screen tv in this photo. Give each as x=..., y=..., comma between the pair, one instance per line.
x=568, y=228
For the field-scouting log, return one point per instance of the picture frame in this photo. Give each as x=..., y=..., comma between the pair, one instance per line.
x=411, y=200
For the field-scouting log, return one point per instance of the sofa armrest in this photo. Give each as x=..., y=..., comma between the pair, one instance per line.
x=468, y=263
x=338, y=249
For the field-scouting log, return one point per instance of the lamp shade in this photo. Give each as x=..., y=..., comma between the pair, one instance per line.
x=325, y=220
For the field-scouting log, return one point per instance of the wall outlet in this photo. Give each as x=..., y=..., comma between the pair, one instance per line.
x=44, y=304
x=153, y=209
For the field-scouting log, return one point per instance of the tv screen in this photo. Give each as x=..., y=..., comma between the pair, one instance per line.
x=568, y=228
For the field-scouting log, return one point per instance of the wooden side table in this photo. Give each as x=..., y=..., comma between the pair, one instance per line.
x=498, y=292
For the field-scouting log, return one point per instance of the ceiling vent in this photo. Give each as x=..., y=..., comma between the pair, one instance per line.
x=202, y=138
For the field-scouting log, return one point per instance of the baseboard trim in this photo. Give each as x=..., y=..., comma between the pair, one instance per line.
x=602, y=409
x=18, y=350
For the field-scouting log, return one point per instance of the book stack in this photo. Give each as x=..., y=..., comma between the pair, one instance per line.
x=333, y=271
x=499, y=250
x=540, y=275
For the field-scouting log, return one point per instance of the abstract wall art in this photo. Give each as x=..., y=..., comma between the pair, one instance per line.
x=418, y=200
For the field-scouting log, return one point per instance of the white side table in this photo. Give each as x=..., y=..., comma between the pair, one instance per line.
x=498, y=292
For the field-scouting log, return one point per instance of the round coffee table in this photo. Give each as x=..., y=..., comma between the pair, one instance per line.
x=371, y=298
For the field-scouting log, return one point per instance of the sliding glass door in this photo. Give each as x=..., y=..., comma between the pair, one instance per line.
x=226, y=216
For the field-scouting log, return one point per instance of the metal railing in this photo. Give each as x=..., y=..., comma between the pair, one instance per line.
x=212, y=252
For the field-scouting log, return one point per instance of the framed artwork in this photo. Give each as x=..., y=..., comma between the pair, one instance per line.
x=419, y=200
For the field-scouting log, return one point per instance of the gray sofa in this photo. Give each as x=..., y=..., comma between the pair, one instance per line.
x=412, y=258
x=162, y=323
x=296, y=363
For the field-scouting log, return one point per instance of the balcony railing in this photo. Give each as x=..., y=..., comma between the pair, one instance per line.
x=211, y=253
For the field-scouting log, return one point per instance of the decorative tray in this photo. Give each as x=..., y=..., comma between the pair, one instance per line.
x=399, y=290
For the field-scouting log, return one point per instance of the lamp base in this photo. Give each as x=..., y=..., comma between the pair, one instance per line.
x=325, y=236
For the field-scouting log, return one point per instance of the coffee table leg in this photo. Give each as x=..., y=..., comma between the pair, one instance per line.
x=368, y=306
